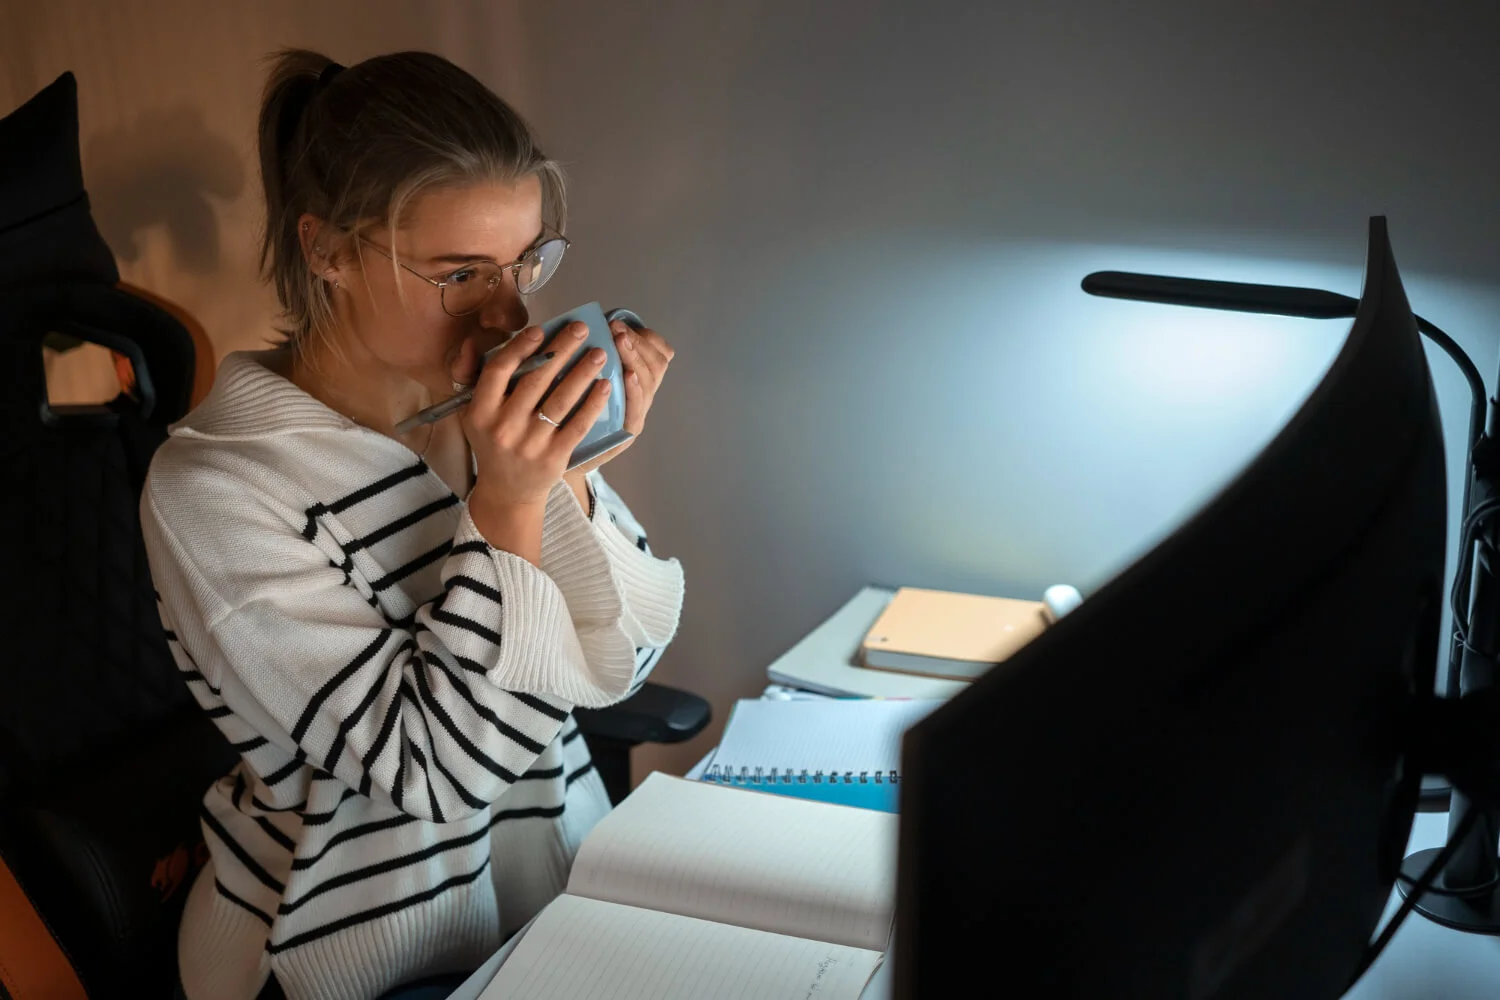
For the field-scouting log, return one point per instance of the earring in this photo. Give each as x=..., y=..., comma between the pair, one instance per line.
x=336, y=284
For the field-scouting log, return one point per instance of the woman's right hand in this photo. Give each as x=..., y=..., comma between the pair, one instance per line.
x=520, y=455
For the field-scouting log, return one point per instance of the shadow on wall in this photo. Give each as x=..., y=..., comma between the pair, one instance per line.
x=164, y=169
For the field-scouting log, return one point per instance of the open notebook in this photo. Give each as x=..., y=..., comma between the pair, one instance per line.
x=847, y=752
x=687, y=890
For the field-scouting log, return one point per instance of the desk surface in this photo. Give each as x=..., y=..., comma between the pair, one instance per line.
x=823, y=660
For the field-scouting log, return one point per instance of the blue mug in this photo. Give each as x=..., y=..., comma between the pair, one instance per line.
x=609, y=430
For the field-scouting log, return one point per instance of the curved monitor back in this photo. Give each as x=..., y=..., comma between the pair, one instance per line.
x=1192, y=786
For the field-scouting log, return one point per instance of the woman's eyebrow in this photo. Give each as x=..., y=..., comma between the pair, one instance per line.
x=474, y=258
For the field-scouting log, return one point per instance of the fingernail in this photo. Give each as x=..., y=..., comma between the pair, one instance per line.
x=620, y=326
x=606, y=385
x=596, y=356
x=627, y=342
x=533, y=333
x=579, y=331
x=635, y=378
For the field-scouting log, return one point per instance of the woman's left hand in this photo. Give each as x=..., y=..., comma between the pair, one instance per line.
x=644, y=357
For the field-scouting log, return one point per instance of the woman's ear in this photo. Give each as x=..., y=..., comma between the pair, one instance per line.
x=316, y=239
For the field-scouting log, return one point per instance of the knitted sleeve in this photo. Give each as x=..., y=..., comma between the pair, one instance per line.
x=651, y=588
x=439, y=714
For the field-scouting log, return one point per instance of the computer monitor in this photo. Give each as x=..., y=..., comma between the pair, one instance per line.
x=1195, y=785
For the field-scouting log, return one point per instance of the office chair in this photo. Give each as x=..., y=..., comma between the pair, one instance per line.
x=104, y=754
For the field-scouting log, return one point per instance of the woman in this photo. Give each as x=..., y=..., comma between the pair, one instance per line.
x=393, y=629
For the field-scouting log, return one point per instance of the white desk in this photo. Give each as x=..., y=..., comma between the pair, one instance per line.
x=823, y=660
x=1424, y=961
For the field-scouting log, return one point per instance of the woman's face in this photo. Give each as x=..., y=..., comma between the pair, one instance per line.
x=396, y=319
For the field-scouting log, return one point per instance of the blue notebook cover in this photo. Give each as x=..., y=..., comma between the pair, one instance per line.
x=884, y=796
x=844, y=752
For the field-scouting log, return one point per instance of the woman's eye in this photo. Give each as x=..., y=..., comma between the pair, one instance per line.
x=461, y=277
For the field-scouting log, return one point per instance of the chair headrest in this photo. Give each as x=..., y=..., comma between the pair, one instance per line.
x=46, y=230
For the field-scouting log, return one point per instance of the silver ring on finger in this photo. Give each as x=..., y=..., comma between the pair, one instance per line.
x=547, y=420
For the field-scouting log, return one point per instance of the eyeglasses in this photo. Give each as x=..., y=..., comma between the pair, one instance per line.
x=467, y=289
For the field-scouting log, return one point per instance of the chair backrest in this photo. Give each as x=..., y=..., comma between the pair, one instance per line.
x=104, y=755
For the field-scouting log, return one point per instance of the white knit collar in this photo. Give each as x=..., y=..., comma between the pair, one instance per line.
x=250, y=401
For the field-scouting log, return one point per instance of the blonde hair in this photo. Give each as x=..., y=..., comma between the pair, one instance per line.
x=354, y=146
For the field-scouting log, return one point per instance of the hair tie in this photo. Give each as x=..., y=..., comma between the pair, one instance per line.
x=330, y=71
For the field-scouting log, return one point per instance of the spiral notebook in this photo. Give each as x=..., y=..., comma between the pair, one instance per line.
x=846, y=752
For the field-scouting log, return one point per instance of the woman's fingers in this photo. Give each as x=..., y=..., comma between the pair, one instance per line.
x=561, y=400
x=573, y=432
x=530, y=388
x=490, y=389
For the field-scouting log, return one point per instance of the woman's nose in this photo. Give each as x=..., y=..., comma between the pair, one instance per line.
x=506, y=310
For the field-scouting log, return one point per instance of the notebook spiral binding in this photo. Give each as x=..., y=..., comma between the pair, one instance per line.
x=787, y=776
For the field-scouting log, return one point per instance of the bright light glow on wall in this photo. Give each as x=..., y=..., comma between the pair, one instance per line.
x=1201, y=357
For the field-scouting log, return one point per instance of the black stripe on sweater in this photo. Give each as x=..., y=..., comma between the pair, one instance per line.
x=532, y=812
x=551, y=772
x=472, y=666
x=399, y=525
x=504, y=728
x=332, y=684
x=570, y=737
x=382, y=868
x=468, y=548
x=239, y=793
x=436, y=710
x=271, y=831
x=288, y=769
x=341, y=737
x=250, y=864
x=585, y=769
x=353, y=833
x=536, y=704
x=256, y=911
x=317, y=510
x=461, y=582
x=400, y=573
x=420, y=759
x=387, y=726
x=387, y=909
x=322, y=818
x=467, y=624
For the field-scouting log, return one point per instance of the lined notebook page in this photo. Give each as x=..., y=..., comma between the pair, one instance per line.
x=584, y=949
x=835, y=735
x=788, y=866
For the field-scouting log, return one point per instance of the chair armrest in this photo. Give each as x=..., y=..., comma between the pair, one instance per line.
x=654, y=714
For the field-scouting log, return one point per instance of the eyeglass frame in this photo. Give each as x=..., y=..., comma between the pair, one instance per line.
x=514, y=267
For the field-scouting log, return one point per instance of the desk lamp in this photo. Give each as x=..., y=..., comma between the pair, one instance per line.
x=1466, y=893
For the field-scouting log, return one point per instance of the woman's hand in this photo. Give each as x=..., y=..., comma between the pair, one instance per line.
x=644, y=357
x=520, y=443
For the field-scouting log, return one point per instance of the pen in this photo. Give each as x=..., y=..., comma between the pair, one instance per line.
x=453, y=404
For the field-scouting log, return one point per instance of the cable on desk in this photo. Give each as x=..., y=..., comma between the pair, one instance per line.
x=1418, y=889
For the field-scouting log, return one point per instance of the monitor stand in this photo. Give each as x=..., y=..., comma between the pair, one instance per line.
x=1466, y=894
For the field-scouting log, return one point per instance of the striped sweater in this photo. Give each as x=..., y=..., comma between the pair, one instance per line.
x=411, y=784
